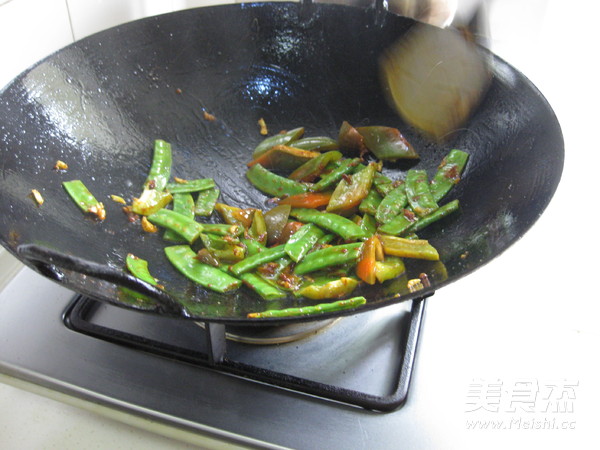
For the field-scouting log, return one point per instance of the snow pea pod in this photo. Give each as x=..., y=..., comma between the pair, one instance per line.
x=139, y=269
x=344, y=167
x=201, y=184
x=223, y=229
x=399, y=224
x=262, y=287
x=84, y=199
x=182, y=204
x=436, y=215
x=339, y=225
x=307, y=310
x=205, y=202
x=392, y=204
x=273, y=184
x=187, y=228
x=160, y=169
x=418, y=193
x=302, y=241
x=382, y=184
x=252, y=262
x=184, y=260
x=313, y=168
x=370, y=203
x=448, y=173
x=330, y=256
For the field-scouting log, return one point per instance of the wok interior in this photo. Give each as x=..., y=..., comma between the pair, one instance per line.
x=99, y=104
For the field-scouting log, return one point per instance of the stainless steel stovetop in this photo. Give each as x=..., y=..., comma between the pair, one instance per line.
x=361, y=353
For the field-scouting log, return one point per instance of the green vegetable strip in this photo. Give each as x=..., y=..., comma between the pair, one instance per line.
x=316, y=143
x=369, y=224
x=326, y=239
x=184, y=259
x=263, y=288
x=252, y=262
x=448, y=173
x=339, y=225
x=317, y=309
x=205, y=203
x=182, y=204
x=83, y=198
x=223, y=229
x=302, y=241
x=138, y=267
x=332, y=178
x=370, y=203
x=273, y=184
x=382, y=184
x=160, y=170
x=408, y=248
x=392, y=204
x=187, y=228
x=438, y=214
x=313, y=167
x=253, y=246
x=277, y=139
x=331, y=256
x=399, y=224
x=418, y=192
x=200, y=184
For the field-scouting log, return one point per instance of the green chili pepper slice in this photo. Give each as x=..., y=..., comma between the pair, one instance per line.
x=151, y=201
x=418, y=193
x=206, y=201
x=84, y=199
x=273, y=184
x=387, y=143
x=408, y=248
x=201, y=184
x=339, y=225
x=330, y=256
x=307, y=310
x=262, y=287
x=323, y=289
x=277, y=139
x=448, y=173
x=388, y=269
x=302, y=241
x=184, y=259
x=310, y=170
x=348, y=195
x=182, y=204
x=187, y=228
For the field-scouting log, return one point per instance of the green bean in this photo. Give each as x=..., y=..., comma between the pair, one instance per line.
x=307, y=310
x=329, y=256
x=339, y=225
x=187, y=228
x=277, y=139
x=302, y=241
x=182, y=204
x=184, y=259
x=392, y=204
x=138, y=267
x=201, y=184
x=205, y=202
x=346, y=166
x=418, y=193
x=273, y=184
x=84, y=199
x=252, y=262
x=262, y=287
x=448, y=173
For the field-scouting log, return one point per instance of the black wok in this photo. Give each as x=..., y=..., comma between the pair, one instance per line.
x=99, y=104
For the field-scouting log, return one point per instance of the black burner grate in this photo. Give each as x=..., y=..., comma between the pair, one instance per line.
x=212, y=352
